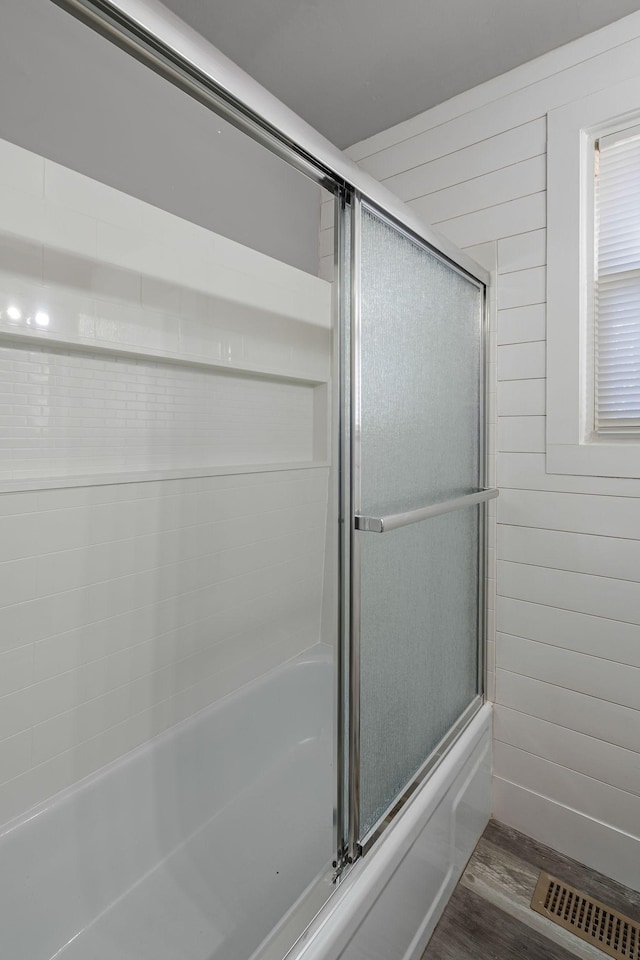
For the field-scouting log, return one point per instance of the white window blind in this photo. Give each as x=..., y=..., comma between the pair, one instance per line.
x=617, y=283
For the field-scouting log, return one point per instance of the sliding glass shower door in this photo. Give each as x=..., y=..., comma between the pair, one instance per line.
x=417, y=455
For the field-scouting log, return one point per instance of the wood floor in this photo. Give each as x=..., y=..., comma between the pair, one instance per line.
x=489, y=916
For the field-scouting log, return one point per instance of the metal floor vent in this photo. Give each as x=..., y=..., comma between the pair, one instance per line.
x=595, y=922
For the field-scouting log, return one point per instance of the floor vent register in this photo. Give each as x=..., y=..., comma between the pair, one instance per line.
x=595, y=922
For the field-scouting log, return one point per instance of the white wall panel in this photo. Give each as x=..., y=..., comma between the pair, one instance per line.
x=603, y=516
x=521, y=433
x=522, y=324
x=502, y=185
x=567, y=655
x=593, y=676
x=598, y=637
x=492, y=223
x=599, y=596
x=580, y=553
x=526, y=471
x=522, y=251
x=487, y=156
x=521, y=361
x=592, y=716
x=588, y=755
x=594, y=798
x=521, y=398
x=520, y=288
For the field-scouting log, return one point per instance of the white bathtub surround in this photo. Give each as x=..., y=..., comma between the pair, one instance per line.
x=166, y=321
x=128, y=607
x=567, y=656
x=84, y=415
x=194, y=846
x=135, y=346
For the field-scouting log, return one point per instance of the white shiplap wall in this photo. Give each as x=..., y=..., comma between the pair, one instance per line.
x=565, y=664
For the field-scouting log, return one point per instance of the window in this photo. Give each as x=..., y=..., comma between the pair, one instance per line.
x=617, y=283
x=593, y=284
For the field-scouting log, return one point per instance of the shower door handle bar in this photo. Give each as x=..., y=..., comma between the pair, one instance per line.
x=395, y=520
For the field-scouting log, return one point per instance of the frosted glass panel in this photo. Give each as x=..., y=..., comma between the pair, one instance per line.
x=420, y=387
x=418, y=648
x=420, y=374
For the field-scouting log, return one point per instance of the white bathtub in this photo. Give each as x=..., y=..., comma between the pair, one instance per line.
x=195, y=846
x=191, y=847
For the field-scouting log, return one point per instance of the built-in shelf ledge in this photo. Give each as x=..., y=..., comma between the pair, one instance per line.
x=25, y=484
x=39, y=340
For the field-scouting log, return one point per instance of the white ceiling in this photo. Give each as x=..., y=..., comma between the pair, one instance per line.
x=354, y=67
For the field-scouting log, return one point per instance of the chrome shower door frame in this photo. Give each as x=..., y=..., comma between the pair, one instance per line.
x=359, y=523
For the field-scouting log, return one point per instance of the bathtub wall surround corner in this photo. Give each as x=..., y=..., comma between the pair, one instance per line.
x=163, y=471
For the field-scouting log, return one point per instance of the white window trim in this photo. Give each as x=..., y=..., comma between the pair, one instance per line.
x=571, y=446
